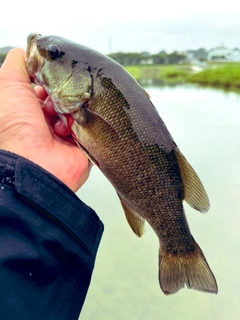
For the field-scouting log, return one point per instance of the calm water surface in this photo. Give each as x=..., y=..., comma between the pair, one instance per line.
x=205, y=123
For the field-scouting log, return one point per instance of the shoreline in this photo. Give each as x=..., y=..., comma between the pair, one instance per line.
x=225, y=76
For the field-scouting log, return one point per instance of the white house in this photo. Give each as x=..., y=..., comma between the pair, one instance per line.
x=236, y=54
x=222, y=54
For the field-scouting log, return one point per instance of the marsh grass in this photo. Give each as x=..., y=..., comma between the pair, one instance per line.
x=224, y=76
x=164, y=73
x=218, y=75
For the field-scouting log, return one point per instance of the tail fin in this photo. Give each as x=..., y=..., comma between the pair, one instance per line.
x=191, y=269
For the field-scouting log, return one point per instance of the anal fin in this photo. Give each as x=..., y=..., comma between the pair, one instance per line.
x=135, y=221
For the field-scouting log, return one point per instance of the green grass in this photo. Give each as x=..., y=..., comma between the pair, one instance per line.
x=162, y=73
x=225, y=76
x=218, y=75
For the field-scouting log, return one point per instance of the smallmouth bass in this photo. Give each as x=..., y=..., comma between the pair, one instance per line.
x=113, y=120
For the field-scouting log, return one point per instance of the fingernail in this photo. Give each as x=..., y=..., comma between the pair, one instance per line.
x=49, y=105
x=61, y=129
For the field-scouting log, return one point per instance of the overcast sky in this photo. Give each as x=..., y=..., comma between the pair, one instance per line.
x=132, y=25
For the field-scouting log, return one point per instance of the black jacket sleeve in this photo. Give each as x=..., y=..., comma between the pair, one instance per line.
x=48, y=244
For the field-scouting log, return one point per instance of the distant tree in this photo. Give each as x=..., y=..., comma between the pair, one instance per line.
x=135, y=58
x=145, y=53
x=202, y=59
x=161, y=58
x=201, y=54
x=175, y=57
x=2, y=58
x=130, y=58
x=118, y=56
x=163, y=52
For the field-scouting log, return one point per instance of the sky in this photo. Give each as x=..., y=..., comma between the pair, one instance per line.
x=125, y=25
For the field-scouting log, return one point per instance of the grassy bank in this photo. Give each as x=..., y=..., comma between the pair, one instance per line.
x=218, y=75
x=169, y=74
x=224, y=76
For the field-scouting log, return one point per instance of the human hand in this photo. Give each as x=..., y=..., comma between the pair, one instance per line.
x=34, y=132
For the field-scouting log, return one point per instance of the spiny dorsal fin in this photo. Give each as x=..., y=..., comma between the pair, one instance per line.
x=135, y=221
x=194, y=192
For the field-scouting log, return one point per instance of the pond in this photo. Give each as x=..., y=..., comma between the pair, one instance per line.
x=205, y=123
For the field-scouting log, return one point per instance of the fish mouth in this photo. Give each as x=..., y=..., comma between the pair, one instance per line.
x=34, y=61
x=30, y=41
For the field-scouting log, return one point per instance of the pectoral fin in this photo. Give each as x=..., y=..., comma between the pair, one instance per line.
x=89, y=117
x=194, y=192
x=135, y=221
x=90, y=157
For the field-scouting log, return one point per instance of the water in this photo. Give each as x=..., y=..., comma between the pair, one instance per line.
x=205, y=123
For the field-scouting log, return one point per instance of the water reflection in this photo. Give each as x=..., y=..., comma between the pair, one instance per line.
x=151, y=82
x=205, y=124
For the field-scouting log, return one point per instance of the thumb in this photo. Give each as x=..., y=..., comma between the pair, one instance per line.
x=20, y=111
x=14, y=68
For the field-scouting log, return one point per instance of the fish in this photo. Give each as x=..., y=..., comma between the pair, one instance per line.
x=112, y=119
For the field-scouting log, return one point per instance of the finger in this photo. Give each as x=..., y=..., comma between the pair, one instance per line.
x=14, y=67
x=40, y=92
x=51, y=121
x=48, y=107
x=60, y=129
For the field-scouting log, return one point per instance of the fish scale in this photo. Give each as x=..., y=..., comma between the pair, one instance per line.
x=119, y=129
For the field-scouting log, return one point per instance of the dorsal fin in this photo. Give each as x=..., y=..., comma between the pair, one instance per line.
x=135, y=221
x=194, y=192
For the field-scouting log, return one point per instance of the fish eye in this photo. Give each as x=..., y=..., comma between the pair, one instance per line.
x=53, y=52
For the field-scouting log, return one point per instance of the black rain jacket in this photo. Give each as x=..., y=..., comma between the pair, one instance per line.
x=48, y=244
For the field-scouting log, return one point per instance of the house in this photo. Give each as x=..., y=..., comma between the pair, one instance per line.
x=236, y=54
x=222, y=54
